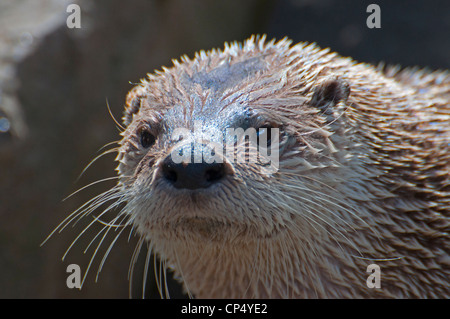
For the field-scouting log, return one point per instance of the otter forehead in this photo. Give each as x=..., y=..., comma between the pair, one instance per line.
x=221, y=88
x=214, y=97
x=225, y=75
x=206, y=89
x=205, y=92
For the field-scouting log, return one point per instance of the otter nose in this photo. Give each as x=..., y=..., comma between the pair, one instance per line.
x=192, y=175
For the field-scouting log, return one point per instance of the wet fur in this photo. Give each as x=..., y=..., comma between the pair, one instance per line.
x=363, y=178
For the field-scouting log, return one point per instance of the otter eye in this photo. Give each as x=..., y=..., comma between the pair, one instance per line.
x=264, y=135
x=147, y=139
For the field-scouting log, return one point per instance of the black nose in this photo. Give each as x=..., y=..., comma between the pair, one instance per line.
x=192, y=175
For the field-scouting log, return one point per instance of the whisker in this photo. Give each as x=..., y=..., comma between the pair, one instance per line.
x=182, y=275
x=111, y=225
x=91, y=184
x=88, y=226
x=75, y=213
x=114, y=119
x=155, y=269
x=107, y=228
x=334, y=200
x=316, y=203
x=131, y=219
x=160, y=279
x=336, y=230
x=95, y=254
x=108, y=144
x=112, y=150
x=149, y=253
x=317, y=214
x=132, y=264
x=380, y=259
x=107, y=252
x=107, y=225
x=166, y=287
x=116, y=192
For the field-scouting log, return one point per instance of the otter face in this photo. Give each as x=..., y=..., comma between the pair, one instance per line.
x=253, y=172
x=211, y=144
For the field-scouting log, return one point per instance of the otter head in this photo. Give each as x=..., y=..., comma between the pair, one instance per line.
x=263, y=170
x=206, y=209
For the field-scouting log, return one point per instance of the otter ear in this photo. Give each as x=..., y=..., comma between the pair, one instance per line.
x=132, y=105
x=329, y=93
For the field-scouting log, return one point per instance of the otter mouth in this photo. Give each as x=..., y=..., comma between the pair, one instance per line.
x=187, y=210
x=215, y=230
x=201, y=226
x=195, y=216
x=192, y=199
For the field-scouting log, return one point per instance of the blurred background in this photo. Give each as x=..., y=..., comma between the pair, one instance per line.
x=55, y=84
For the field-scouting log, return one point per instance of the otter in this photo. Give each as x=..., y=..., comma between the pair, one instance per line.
x=362, y=175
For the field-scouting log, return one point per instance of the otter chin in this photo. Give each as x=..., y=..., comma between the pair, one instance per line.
x=357, y=173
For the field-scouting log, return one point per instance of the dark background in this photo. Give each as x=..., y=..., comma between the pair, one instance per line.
x=55, y=81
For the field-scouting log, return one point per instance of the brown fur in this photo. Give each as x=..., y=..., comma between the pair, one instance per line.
x=363, y=177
